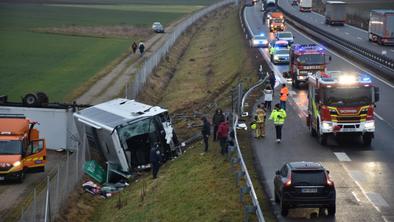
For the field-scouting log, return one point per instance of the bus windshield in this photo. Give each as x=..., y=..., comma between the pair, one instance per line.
x=340, y=97
x=10, y=147
x=311, y=59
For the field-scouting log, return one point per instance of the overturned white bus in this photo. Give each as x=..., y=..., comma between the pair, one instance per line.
x=123, y=132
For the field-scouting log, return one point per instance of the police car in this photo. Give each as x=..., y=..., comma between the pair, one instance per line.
x=259, y=41
x=280, y=56
x=287, y=36
x=277, y=44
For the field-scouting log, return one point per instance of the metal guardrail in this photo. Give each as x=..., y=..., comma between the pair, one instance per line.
x=151, y=63
x=382, y=63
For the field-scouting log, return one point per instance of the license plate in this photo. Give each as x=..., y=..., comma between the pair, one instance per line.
x=1, y=178
x=348, y=129
x=309, y=190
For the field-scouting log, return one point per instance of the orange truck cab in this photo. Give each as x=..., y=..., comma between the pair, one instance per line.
x=276, y=22
x=21, y=149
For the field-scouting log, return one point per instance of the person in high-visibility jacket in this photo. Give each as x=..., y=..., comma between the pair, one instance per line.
x=284, y=93
x=278, y=115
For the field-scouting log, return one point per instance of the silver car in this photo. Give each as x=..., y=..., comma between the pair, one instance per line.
x=158, y=27
x=259, y=41
x=287, y=36
x=280, y=56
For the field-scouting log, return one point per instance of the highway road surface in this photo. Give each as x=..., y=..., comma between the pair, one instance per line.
x=350, y=33
x=363, y=176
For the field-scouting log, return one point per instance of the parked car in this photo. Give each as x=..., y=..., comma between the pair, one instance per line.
x=304, y=185
x=259, y=41
x=287, y=36
x=158, y=27
x=280, y=56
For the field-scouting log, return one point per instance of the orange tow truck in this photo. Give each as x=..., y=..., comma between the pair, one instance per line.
x=276, y=21
x=21, y=149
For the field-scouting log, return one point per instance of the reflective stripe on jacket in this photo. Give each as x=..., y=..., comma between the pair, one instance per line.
x=278, y=116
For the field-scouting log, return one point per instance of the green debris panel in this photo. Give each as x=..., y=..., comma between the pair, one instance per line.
x=95, y=171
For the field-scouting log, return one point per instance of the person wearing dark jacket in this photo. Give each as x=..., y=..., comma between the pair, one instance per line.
x=155, y=158
x=134, y=47
x=206, y=132
x=222, y=135
x=272, y=80
x=141, y=47
x=218, y=118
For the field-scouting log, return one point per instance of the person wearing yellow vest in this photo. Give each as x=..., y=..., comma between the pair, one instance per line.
x=284, y=93
x=279, y=116
x=260, y=120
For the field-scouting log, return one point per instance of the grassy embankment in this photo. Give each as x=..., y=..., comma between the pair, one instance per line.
x=202, y=67
x=56, y=48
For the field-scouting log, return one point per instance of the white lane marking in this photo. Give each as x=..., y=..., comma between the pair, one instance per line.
x=359, y=38
x=379, y=117
x=346, y=33
x=357, y=175
x=342, y=156
x=377, y=199
x=343, y=58
x=292, y=92
x=322, y=23
x=392, y=50
x=336, y=29
x=355, y=196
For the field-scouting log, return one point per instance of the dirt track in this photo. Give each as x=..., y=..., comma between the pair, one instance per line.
x=112, y=84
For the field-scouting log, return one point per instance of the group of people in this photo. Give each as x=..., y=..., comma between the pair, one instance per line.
x=140, y=47
x=221, y=131
x=278, y=115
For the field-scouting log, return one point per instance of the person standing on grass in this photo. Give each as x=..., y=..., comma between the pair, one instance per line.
x=268, y=97
x=141, y=47
x=218, y=117
x=284, y=93
x=134, y=47
x=155, y=158
x=222, y=135
x=206, y=132
x=279, y=116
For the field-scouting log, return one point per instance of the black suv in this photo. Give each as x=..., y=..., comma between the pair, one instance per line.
x=304, y=184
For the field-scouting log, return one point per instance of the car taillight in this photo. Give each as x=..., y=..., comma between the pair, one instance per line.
x=288, y=183
x=330, y=183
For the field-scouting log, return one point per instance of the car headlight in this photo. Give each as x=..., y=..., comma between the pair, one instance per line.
x=326, y=126
x=370, y=125
x=276, y=57
x=255, y=42
x=17, y=163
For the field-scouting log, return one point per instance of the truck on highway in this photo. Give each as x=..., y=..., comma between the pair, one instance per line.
x=276, y=21
x=341, y=103
x=335, y=13
x=381, y=27
x=21, y=149
x=305, y=5
x=306, y=59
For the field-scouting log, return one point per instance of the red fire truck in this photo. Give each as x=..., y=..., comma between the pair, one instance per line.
x=306, y=59
x=341, y=103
